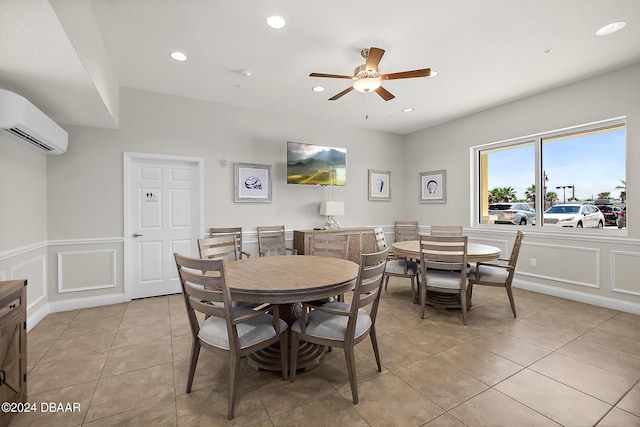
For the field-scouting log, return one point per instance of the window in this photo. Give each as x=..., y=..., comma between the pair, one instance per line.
x=554, y=179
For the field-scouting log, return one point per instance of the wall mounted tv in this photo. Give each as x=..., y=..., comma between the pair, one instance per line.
x=311, y=164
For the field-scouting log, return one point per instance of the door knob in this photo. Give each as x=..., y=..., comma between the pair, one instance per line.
x=137, y=235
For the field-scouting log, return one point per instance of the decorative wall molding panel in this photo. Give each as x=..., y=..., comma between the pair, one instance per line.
x=35, y=271
x=86, y=270
x=624, y=272
x=579, y=265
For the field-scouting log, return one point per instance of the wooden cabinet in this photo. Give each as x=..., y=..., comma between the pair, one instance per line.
x=13, y=344
x=361, y=240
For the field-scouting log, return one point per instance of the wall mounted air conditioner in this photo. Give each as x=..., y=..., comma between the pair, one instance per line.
x=25, y=123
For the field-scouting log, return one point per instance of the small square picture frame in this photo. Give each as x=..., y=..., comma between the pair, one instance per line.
x=379, y=185
x=433, y=187
x=252, y=183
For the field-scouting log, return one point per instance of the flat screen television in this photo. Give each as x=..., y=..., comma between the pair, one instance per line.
x=311, y=164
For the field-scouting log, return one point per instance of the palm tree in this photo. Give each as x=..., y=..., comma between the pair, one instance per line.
x=623, y=187
x=503, y=194
x=604, y=195
x=530, y=194
x=551, y=197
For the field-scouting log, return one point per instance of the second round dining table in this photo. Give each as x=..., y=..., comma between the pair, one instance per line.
x=476, y=252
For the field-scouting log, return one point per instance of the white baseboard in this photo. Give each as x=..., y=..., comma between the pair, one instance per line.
x=78, y=303
x=71, y=304
x=601, y=301
x=33, y=318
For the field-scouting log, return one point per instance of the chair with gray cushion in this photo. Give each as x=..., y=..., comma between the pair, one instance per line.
x=397, y=267
x=339, y=324
x=271, y=241
x=405, y=230
x=332, y=245
x=498, y=273
x=223, y=247
x=235, y=331
x=235, y=231
x=443, y=273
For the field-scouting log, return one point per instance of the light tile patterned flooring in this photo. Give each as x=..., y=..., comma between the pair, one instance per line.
x=559, y=363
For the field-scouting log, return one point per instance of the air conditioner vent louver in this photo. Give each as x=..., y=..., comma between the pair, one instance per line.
x=30, y=139
x=25, y=123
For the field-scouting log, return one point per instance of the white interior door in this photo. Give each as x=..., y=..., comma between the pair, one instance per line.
x=163, y=215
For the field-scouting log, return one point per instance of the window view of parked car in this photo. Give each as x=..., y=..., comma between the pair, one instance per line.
x=609, y=211
x=574, y=215
x=512, y=213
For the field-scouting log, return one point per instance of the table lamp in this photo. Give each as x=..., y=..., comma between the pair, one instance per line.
x=331, y=209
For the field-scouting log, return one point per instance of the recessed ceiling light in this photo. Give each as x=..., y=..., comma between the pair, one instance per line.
x=611, y=28
x=317, y=89
x=276, y=22
x=433, y=74
x=407, y=110
x=178, y=56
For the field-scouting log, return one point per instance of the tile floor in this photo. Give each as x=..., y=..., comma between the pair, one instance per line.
x=559, y=363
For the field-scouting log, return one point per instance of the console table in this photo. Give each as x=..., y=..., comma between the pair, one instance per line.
x=361, y=240
x=13, y=345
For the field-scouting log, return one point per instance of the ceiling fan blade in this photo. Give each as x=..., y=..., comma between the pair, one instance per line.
x=375, y=55
x=385, y=94
x=334, y=76
x=426, y=72
x=341, y=94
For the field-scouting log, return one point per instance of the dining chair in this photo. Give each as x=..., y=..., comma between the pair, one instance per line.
x=329, y=244
x=443, y=272
x=223, y=247
x=397, y=267
x=236, y=330
x=498, y=273
x=339, y=324
x=446, y=230
x=405, y=230
x=236, y=231
x=271, y=241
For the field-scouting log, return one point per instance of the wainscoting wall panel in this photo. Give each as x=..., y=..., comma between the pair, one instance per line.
x=86, y=270
x=624, y=272
x=572, y=265
x=34, y=269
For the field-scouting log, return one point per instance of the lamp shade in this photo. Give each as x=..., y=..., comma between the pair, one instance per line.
x=367, y=84
x=331, y=208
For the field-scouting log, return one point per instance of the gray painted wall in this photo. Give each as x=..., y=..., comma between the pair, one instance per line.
x=74, y=202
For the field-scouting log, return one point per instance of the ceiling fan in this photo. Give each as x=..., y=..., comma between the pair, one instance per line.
x=367, y=77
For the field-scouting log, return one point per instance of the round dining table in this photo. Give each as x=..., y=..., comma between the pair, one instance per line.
x=289, y=280
x=476, y=252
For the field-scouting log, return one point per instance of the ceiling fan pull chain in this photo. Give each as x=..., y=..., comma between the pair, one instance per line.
x=366, y=105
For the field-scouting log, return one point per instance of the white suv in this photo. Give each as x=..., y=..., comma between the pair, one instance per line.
x=573, y=215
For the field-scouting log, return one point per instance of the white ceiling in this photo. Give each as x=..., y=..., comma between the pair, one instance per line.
x=65, y=55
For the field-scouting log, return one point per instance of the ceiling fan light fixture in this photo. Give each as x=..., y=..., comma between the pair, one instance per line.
x=367, y=84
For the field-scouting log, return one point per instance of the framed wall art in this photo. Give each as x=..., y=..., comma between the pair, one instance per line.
x=433, y=187
x=379, y=185
x=252, y=183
